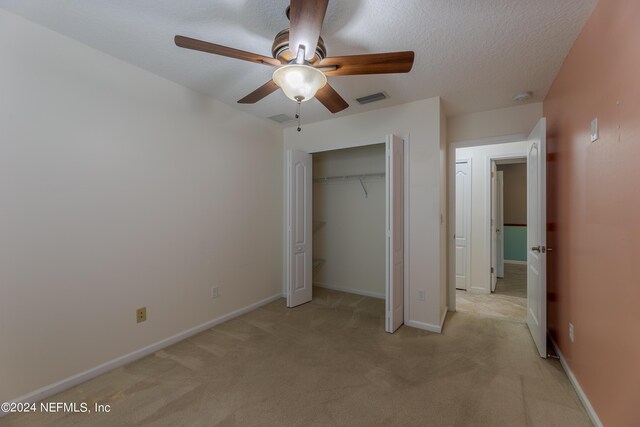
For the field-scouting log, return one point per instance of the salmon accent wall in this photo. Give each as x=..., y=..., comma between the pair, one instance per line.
x=594, y=211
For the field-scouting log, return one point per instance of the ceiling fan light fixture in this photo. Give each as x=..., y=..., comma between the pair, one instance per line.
x=299, y=82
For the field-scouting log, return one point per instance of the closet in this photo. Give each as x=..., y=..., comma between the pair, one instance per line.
x=345, y=224
x=349, y=202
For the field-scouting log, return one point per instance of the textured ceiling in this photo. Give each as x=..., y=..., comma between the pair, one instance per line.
x=473, y=53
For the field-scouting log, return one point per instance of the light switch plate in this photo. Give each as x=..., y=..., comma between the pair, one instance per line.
x=571, y=331
x=594, y=130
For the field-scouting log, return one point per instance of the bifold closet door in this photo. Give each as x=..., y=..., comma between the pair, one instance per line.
x=299, y=228
x=395, y=234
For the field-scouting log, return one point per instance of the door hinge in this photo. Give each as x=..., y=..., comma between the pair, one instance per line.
x=491, y=174
x=491, y=270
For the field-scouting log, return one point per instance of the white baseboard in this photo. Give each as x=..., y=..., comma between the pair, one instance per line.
x=57, y=387
x=428, y=326
x=576, y=385
x=379, y=295
x=510, y=261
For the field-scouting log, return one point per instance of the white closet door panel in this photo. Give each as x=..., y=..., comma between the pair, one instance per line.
x=395, y=233
x=299, y=221
x=463, y=224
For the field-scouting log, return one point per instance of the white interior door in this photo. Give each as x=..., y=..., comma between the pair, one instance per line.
x=395, y=233
x=494, y=226
x=299, y=217
x=463, y=223
x=536, y=237
x=500, y=224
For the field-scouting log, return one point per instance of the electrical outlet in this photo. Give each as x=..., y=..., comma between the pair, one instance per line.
x=421, y=296
x=141, y=314
x=571, y=331
x=215, y=292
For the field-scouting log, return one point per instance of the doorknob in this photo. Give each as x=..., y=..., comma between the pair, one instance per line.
x=536, y=248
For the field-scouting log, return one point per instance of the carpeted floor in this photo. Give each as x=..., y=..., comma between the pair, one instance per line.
x=330, y=362
x=509, y=301
x=514, y=282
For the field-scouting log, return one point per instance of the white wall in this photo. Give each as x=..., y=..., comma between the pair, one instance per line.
x=352, y=241
x=515, y=193
x=492, y=123
x=120, y=189
x=480, y=203
x=420, y=123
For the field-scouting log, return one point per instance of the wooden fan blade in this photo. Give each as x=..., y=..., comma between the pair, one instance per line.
x=376, y=63
x=230, y=52
x=331, y=99
x=264, y=90
x=305, y=23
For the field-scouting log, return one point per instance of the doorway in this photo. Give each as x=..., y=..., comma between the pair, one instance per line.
x=349, y=220
x=300, y=260
x=509, y=201
x=477, y=216
x=483, y=246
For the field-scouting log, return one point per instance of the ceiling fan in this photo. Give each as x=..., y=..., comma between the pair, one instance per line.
x=301, y=62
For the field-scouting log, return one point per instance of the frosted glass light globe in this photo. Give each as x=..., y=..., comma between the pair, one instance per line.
x=299, y=82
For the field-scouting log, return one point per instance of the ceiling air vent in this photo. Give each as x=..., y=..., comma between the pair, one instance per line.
x=372, y=98
x=281, y=118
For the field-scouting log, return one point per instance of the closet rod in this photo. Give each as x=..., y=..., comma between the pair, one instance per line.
x=347, y=177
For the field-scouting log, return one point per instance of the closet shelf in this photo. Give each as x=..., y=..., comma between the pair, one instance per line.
x=317, y=262
x=317, y=225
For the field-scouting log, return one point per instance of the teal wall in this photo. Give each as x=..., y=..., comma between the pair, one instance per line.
x=515, y=243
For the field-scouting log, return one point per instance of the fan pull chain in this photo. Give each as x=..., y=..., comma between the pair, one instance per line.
x=298, y=115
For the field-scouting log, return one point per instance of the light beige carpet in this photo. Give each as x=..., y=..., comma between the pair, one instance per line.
x=492, y=305
x=509, y=301
x=514, y=282
x=329, y=362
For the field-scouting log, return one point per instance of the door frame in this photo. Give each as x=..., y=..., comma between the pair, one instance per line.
x=339, y=145
x=451, y=207
x=516, y=155
x=500, y=217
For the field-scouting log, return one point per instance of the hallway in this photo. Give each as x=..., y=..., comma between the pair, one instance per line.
x=509, y=301
x=514, y=282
